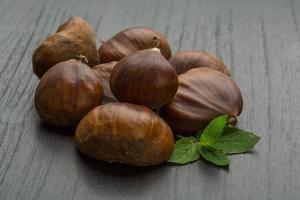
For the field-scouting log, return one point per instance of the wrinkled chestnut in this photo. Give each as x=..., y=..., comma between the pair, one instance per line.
x=103, y=71
x=144, y=77
x=125, y=133
x=183, y=61
x=132, y=40
x=74, y=37
x=67, y=92
x=203, y=94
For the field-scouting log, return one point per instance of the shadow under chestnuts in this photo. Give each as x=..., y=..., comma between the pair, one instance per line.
x=108, y=94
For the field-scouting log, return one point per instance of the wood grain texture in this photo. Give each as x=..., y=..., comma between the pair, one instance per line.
x=258, y=40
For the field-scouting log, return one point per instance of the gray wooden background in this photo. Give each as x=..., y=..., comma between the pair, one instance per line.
x=259, y=40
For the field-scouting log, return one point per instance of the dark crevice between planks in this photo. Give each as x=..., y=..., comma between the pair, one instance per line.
x=11, y=55
x=3, y=130
x=195, y=36
x=156, y=9
x=170, y=11
x=230, y=30
x=294, y=17
x=218, y=33
x=98, y=24
x=181, y=37
x=12, y=155
x=267, y=74
x=252, y=90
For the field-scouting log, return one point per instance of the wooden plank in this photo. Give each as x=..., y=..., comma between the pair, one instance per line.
x=259, y=41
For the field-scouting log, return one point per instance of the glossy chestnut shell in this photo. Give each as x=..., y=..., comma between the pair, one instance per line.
x=74, y=37
x=125, y=133
x=67, y=92
x=132, y=40
x=203, y=94
x=145, y=78
x=183, y=61
x=103, y=71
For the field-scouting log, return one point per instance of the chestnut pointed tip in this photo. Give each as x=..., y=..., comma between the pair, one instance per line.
x=232, y=120
x=156, y=39
x=82, y=59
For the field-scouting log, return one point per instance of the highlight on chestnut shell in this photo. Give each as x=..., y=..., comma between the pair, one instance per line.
x=183, y=61
x=144, y=77
x=131, y=40
x=67, y=92
x=202, y=95
x=74, y=37
x=125, y=133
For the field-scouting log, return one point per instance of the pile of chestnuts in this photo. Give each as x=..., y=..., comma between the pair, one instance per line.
x=128, y=98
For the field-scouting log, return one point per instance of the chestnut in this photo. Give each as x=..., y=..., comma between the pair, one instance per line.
x=74, y=37
x=144, y=77
x=125, y=133
x=132, y=40
x=103, y=71
x=203, y=94
x=183, y=61
x=67, y=92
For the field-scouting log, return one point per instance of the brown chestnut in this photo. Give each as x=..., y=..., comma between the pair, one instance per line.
x=125, y=133
x=203, y=94
x=74, y=37
x=103, y=71
x=144, y=77
x=183, y=61
x=67, y=92
x=132, y=40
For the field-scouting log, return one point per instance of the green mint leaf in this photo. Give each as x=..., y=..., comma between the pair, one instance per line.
x=198, y=136
x=214, y=156
x=234, y=140
x=213, y=130
x=186, y=150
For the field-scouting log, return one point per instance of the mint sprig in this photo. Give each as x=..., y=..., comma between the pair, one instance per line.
x=186, y=150
x=214, y=143
x=213, y=131
x=214, y=156
x=234, y=141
